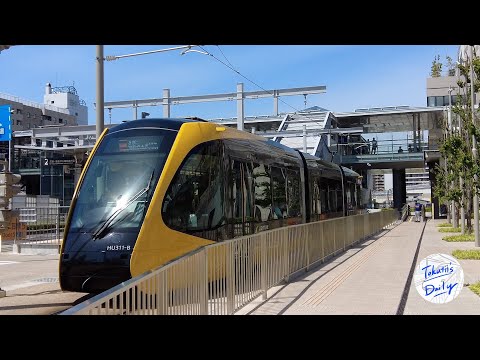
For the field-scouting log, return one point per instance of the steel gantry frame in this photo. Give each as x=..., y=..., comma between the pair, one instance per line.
x=166, y=101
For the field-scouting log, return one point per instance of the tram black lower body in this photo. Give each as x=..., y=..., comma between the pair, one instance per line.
x=92, y=278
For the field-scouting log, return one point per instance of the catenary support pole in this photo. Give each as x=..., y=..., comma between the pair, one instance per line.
x=99, y=103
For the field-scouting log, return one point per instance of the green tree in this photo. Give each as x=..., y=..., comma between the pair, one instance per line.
x=436, y=69
x=456, y=147
x=450, y=66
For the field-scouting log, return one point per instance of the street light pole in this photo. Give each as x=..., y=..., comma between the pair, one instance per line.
x=474, y=153
x=100, y=82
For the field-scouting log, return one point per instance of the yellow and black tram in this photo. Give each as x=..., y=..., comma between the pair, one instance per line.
x=153, y=190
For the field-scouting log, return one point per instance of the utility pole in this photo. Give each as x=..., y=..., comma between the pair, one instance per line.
x=474, y=152
x=100, y=78
x=240, y=110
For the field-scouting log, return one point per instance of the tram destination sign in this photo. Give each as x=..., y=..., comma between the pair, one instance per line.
x=61, y=161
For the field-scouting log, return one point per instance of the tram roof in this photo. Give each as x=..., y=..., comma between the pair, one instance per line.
x=166, y=123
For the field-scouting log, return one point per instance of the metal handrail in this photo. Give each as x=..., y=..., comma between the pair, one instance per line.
x=387, y=146
x=221, y=278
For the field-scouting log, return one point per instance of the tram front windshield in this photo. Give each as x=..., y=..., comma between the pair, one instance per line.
x=120, y=180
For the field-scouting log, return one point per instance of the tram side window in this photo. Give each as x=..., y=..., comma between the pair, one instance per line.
x=335, y=195
x=294, y=195
x=279, y=193
x=351, y=196
x=194, y=200
x=325, y=207
x=248, y=191
x=313, y=191
x=315, y=196
x=243, y=200
x=339, y=196
x=263, y=192
x=348, y=190
x=332, y=196
x=240, y=198
x=355, y=195
x=236, y=197
x=237, y=192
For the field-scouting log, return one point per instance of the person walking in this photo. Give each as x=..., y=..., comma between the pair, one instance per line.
x=374, y=146
x=418, y=211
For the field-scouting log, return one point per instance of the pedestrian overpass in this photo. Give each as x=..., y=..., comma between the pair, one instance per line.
x=392, y=160
x=407, y=137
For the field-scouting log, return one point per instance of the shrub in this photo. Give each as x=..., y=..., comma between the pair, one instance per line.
x=455, y=238
x=450, y=229
x=444, y=225
x=466, y=254
x=475, y=288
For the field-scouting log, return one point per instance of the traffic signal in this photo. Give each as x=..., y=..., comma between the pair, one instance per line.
x=9, y=187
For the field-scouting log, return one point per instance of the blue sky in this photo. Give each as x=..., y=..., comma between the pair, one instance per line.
x=356, y=76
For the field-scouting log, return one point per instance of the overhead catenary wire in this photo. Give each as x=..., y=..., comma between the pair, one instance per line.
x=254, y=83
x=224, y=56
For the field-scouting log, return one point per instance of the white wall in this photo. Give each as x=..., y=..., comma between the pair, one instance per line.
x=71, y=102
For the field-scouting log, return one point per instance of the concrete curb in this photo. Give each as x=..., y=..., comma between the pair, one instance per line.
x=34, y=249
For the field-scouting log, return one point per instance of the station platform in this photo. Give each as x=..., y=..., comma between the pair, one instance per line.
x=374, y=277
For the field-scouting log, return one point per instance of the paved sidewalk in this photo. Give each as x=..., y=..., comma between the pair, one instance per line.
x=371, y=278
x=42, y=299
x=31, y=285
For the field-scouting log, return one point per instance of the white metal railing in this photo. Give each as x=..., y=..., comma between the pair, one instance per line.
x=223, y=277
